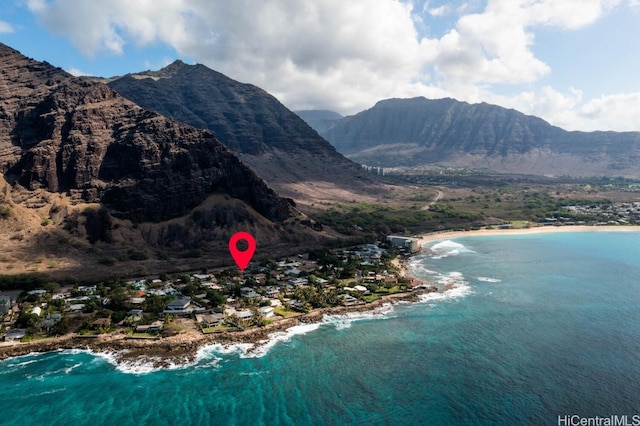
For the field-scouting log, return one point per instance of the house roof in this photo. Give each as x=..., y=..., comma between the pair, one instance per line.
x=179, y=303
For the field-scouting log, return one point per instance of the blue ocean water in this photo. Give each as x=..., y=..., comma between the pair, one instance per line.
x=537, y=326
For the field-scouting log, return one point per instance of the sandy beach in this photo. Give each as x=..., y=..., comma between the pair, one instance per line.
x=447, y=235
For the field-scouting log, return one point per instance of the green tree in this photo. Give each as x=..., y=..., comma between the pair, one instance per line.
x=155, y=304
x=61, y=327
x=216, y=298
x=119, y=300
x=27, y=320
x=118, y=316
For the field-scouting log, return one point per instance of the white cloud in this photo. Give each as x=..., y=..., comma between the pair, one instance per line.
x=618, y=111
x=5, y=27
x=346, y=55
x=440, y=11
x=77, y=72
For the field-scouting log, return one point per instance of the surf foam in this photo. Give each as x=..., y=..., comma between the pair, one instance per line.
x=448, y=248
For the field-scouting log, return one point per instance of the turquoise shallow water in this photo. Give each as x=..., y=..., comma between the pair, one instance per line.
x=539, y=326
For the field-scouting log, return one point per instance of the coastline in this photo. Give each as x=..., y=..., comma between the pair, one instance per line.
x=446, y=235
x=182, y=349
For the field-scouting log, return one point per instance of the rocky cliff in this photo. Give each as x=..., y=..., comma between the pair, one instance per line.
x=92, y=184
x=445, y=132
x=275, y=142
x=69, y=135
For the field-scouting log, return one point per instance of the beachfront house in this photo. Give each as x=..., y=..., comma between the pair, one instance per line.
x=153, y=328
x=102, y=323
x=266, y=311
x=244, y=314
x=361, y=289
x=348, y=300
x=210, y=320
x=15, y=334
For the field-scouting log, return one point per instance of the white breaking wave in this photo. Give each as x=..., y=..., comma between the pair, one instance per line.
x=146, y=365
x=73, y=367
x=345, y=320
x=419, y=270
x=448, y=248
x=489, y=280
x=455, y=284
x=142, y=365
x=23, y=363
x=259, y=349
x=263, y=347
x=457, y=292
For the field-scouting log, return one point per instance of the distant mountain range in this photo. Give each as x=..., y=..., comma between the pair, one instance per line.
x=272, y=140
x=448, y=133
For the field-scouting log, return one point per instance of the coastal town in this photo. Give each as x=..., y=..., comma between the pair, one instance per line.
x=211, y=302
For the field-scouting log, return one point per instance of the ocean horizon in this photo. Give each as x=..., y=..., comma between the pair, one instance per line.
x=535, y=327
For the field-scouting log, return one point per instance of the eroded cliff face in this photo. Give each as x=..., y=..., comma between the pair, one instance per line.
x=276, y=143
x=444, y=132
x=73, y=136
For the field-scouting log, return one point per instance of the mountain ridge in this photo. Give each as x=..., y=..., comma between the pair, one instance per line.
x=87, y=174
x=271, y=139
x=449, y=133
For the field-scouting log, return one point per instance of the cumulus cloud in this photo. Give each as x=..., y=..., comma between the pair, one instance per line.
x=338, y=54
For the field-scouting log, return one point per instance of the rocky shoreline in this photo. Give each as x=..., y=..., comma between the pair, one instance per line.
x=183, y=348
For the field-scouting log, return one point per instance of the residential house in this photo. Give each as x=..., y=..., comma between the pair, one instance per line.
x=179, y=306
x=89, y=289
x=136, y=301
x=299, y=281
x=275, y=302
x=249, y=292
x=348, y=300
x=153, y=328
x=272, y=291
x=266, y=311
x=391, y=280
x=75, y=308
x=260, y=278
x=210, y=320
x=183, y=305
x=102, y=323
x=244, y=314
x=202, y=277
x=15, y=334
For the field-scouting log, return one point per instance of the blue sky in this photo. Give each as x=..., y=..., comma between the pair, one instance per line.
x=571, y=62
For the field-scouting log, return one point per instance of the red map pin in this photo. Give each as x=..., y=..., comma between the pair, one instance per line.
x=242, y=258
